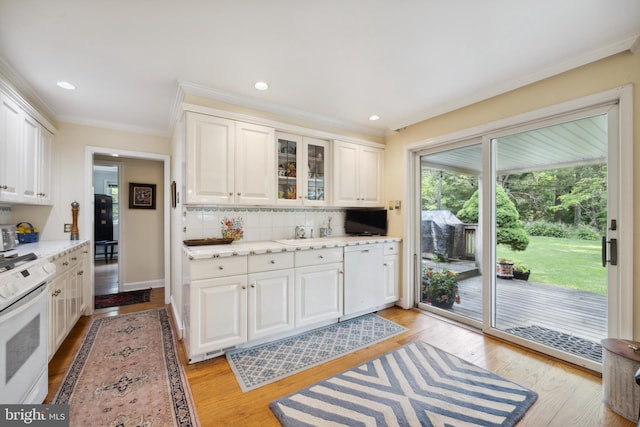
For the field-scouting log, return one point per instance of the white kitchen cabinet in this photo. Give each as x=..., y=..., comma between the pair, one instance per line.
x=218, y=314
x=319, y=286
x=255, y=164
x=229, y=162
x=357, y=174
x=45, y=167
x=66, y=295
x=25, y=156
x=29, y=170
x=391, y=272
x=364, y=287
x=10, y=149
x=214, y=305
x=302, y=170
x=271, y=288
x=271, y=303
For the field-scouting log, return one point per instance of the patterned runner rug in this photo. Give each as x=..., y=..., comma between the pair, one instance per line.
x=416, y=384
x=122, y=298
x=264, y=364
x=565, y=342
x=127, y=372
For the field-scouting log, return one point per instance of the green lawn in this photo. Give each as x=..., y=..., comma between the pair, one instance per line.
x=571, y=263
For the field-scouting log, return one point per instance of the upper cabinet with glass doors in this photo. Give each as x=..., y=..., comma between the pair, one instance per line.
x=302, y=170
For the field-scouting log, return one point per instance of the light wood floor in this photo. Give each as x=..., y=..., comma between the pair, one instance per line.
x=568, y=395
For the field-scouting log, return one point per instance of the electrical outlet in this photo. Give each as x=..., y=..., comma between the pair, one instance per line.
x=67, y=228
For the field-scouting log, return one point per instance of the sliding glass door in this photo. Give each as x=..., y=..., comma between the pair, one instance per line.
x=517, y=232
x=450, y=254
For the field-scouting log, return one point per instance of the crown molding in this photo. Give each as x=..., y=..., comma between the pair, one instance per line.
x=248, y=102
x=627, y=43
x=16, y=87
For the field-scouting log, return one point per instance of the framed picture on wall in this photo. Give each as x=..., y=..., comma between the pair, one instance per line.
x=142, y=196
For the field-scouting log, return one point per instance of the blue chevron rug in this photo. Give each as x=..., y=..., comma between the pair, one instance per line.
x=414, y=385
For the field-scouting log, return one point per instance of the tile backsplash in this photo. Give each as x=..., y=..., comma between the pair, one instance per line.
x=5, y=215
x=260, y=223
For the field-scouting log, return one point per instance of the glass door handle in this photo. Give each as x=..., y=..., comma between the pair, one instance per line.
x=613, y=251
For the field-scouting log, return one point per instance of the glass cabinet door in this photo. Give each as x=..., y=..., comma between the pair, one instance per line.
x=315, y=185
x=302, y=170
x=288, y=162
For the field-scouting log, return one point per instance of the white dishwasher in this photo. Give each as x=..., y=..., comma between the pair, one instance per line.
x=363, y=278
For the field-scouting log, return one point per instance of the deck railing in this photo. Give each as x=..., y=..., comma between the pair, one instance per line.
x=470, y=232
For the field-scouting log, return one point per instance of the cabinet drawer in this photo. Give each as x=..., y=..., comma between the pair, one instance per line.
x=269, y=262
x=218, y=267
x=318, y=256
x=392, y=248
x=62, y=264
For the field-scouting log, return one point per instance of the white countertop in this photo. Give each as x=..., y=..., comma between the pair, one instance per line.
x=49, y=248
x=288, y=245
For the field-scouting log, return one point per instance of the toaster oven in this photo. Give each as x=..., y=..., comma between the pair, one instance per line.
x=9, y=237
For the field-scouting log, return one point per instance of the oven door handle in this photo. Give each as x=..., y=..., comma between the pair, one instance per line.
x=23, y=304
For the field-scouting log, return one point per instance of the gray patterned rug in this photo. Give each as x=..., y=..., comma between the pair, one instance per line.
x=264, y=364
x=561, y=341
x=416, y=384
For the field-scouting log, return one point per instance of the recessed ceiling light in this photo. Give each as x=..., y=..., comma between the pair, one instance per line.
x=66, y=85
x=374, y=117
x=261, y=86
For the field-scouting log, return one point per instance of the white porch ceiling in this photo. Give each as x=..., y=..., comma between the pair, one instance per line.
x=577, y=142
x=330, y=62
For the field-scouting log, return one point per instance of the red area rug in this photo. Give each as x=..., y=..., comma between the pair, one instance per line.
x=122, y=298
x=127, y=373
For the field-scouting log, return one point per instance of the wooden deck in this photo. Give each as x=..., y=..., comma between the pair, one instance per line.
x=523, y=303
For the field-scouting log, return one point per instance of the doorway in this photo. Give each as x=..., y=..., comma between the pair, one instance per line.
x=562, y=170
x=163, y=209
x=106, y=234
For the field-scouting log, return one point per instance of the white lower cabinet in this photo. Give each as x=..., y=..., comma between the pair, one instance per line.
x=391, y=272
x=319, y=285
x=66, y=296
x=219, y=312
x=271, y=303
x=318, y=294
x=247, y=300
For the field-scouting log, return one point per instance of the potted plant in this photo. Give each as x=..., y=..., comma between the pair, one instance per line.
x=440, y=288
x=520, y=271
x=504, y=268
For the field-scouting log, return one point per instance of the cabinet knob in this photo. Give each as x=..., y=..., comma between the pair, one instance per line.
x=272, y=261
x=3, y=187
x=231, y=194
x=253, y=285
x=244, y=287
x=221, y=267
x=321, y=256
x=239, y=194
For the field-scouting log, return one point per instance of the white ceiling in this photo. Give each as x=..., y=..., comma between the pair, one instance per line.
x=333, y=62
